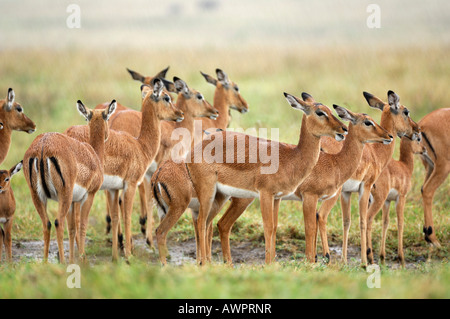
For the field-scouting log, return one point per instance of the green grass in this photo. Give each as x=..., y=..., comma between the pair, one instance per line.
x=47, y=84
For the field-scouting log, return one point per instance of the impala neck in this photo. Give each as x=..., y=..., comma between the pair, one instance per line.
x=385, y=152
x=188, y=122
x=150, y=135
x=308, y=149
x=221, y=105
x=96, y=140
x=406, y=154
x=350, y=155
x=5, y=142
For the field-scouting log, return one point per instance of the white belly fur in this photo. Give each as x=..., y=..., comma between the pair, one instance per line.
x=236, y=192
x=351, y=186
x=393, y=195
x=112, y=182
x=3, y=220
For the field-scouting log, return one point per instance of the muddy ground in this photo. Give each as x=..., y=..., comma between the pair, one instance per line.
x=185, y=251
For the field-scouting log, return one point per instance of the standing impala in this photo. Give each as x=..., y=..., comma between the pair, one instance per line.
x=7, y=209
x=435, y=133
x=219, y=177
x=193, y=105
x=395, y=119
x=68, y=171
x=12, y=119
x=127, y=158
x=393, y=184
x=325, y=180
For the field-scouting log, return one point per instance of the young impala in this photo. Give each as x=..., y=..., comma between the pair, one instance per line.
x=127, y=158
x=393, y=184
x=68, y=171
x=222, y=175
x=7, y=209
x=325, y=180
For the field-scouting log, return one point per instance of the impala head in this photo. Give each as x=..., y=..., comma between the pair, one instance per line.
x=12, y=115
x=5, y=176
x=229, y=89
x=193, y=100
x=416, y=144
x=364, y=127
x=402, y=123
x=161, y=101
x=319, y=119
x=97, y=118
x=147, y=79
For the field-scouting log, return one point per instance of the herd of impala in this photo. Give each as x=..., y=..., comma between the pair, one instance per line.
x=121, y=149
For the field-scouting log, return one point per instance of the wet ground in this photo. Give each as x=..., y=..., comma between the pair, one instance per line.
x=184, y=252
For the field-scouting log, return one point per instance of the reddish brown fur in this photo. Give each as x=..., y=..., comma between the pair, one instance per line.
x=12, y=119
x=7, y=209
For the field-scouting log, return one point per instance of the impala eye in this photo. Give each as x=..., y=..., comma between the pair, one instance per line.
x=406, y=112
x=236, y=88
x=167, y=98
x=19, y=109
x=368, y=123
x=6, y=179
x=199, y=96
x=320, y=113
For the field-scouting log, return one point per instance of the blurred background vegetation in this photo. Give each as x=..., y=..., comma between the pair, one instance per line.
x=323, y=47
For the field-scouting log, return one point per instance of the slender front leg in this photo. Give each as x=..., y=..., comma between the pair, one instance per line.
x=108, y=213
x=144, y=205
x=309, y=215
x=385, y=218
x=363, y=206
x=379, y=196
x=346, y=222
x=267, y=203
x=71, y=222
x=114, y=210
x=400, y=218
x=149, y=218
x=2, y=236
x=236, y=208
x=8, y=239
x=322, y=219
x=127, y=209
x=276, y=208
x=85, y=209
x=219, y=202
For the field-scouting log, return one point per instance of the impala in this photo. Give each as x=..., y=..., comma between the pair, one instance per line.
x=396, y=120
x=325, y=180
x=7, y=209
x=435, y=132
x=127, y=158
x=63, y=169
x=225, y=179
x=393, y=184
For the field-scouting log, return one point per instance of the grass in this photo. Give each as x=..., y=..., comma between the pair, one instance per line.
x=47, y=84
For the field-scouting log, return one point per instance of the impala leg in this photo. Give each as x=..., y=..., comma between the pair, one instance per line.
x=205, y=208
x=114, y=210
x=127, y=209
x=276, y=208
x=85, y=209
x=324, y=211
x=8, y=239
x=363, y=207
x=346, y=222
x=267, y=203
x=41, y=208
x=108, y=213
x=71, y=223
x=236, y=208
x=149, y=218
x=436, y=178
x=2, y=236
x=309, y=216
x=194, y=215
x=77, y=212
x=379, y=196
x=63, y=209
x=400, y=219
x=385, y=217
x=142, y=188
x=216, y=207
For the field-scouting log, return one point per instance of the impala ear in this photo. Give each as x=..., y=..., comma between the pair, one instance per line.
x=345, y=114
x=374, y=101
x=209, y=78
x=10, y=96
x=145, y=89
x=308, y=98
x=87, y=114
x=394, y=101
x=158, y=86
x=298, y=104
x=181, y=86
x=136, y=76
x=222, y=77
x=110, y=110
x=162, y=73
x=170, y=86
x=15, y=169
